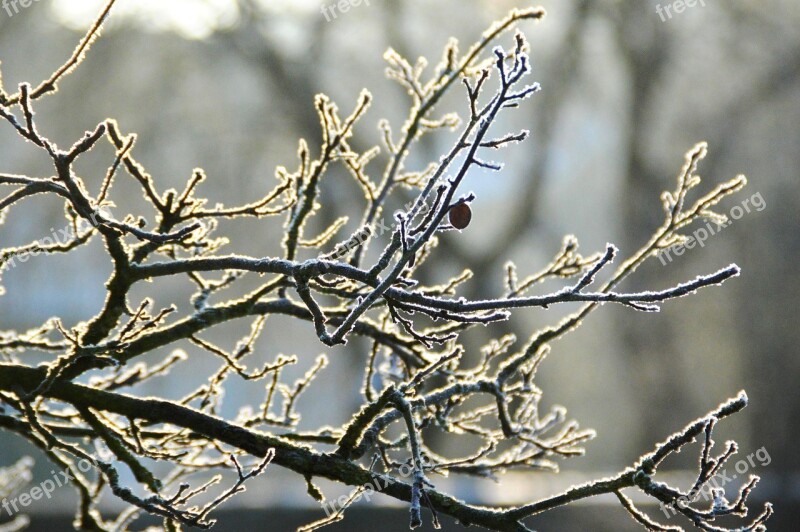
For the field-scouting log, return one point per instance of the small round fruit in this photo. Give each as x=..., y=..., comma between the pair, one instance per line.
x=460, y=216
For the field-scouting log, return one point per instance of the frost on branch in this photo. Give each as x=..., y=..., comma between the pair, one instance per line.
x=363, y=284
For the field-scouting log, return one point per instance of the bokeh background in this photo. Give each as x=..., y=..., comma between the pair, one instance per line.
x=228, y=85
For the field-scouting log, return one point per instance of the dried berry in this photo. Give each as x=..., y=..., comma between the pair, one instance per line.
x=460, y=216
